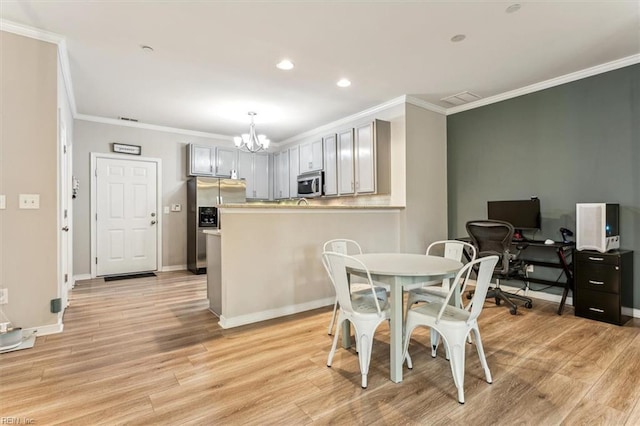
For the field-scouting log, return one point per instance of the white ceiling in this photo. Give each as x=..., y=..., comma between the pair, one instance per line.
x=215, y=60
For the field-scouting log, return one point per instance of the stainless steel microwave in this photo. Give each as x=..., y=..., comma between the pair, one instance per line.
x=311, y=184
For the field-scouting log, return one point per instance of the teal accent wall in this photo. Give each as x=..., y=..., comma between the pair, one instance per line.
x=574, y=143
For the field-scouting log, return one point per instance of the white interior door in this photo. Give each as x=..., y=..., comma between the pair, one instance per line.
x=126, y=216
x=64, y=279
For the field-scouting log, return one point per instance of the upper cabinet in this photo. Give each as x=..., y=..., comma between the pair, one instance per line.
x=254, y=168
x=200, y=160
x=205, y=160
x=346, y=170
x=330, y=165
x=226, y=160
x=281, y=174
x=364, y=159
x=294, y=170
x=311, y=156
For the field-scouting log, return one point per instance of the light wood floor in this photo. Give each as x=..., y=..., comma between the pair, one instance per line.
x=147, y=351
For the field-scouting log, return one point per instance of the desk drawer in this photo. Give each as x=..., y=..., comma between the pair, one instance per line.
x=598, y=277
x=599, y=258
x=598, y=306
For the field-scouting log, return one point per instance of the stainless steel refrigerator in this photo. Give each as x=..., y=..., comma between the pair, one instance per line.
x=204, y=195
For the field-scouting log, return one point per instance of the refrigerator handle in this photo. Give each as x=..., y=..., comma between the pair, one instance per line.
x=220, y=200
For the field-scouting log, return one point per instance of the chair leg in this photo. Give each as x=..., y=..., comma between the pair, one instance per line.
x=335, y=341
x=333, y=317
x=456, y=343
x=405, y=343
x=435, y=342
x=365, y=339
x=483, y=359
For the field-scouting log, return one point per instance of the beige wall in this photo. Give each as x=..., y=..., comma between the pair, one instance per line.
x=171, y=148
x=28, y=154
x=425, y=216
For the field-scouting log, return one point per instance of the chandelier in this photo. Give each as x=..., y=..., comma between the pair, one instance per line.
x=251, y=142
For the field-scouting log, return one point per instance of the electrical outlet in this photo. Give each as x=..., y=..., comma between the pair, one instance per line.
x=4, y=296
x=3, y=202
x=176, y=207
x=529, y=268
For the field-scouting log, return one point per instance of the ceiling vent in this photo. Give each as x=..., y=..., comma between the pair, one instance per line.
x=461, y=98
x=128, y=119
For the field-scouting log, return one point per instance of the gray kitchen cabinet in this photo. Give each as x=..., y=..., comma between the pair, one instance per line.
x=294, y=170
x=281, y=175
x=200, y=160
x=254, y=168
x=330, y=165
x=226, y=160
x=311, y=156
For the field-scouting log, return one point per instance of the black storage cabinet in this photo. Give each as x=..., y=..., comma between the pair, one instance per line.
x=603, y=285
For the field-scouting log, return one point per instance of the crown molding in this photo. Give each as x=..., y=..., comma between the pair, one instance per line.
x=49, y=37
x=346, y=120
x=155, y=127
x=567, y=78
x=425, y=105
x=24, y=30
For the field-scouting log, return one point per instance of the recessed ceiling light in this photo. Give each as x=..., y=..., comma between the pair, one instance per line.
x=146, y=49
x=285, y=64
x=513, y=8
x=458, y=37
x=343, y=82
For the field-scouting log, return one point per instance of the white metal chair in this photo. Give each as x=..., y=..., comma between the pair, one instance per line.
x=364, y=313
x=345, y=246
x=455, y=324
x=430, y=292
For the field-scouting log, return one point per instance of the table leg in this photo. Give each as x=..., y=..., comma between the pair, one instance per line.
x=346, y=334
x=395, y=326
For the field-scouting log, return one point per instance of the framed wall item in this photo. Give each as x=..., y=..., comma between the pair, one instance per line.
x=127, y=149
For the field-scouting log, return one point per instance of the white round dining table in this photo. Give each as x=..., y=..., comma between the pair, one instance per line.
x=399, y=270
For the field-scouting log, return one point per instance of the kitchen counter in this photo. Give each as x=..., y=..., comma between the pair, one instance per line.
x=266, y=260
x=305, y=207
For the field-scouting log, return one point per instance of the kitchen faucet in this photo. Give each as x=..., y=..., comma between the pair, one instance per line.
x=300, y=200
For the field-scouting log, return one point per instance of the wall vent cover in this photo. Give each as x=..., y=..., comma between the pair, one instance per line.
x=128, y=119
x=461, y=98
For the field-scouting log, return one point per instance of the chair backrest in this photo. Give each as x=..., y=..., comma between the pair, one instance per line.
x=485, y=266
x=342, y=245
x=336, y=266
x=453, y=249
x=492, y=237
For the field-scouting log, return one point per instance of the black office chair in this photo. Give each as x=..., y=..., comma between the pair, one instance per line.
x=494, y=237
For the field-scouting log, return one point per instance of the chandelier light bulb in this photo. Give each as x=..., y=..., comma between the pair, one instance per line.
x=251, y=142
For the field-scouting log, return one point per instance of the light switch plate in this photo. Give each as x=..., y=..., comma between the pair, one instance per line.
x=3, y=202
x=29, y=201
x=176, y=207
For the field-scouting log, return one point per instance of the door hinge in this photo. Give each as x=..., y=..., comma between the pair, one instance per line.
x=65, y=213
x=96, y=260
x=95, y=172
x=64, y=149
x=66, y=278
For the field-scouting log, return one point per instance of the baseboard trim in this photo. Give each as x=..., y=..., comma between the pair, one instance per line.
x=557, y=298
x=81, y=277
x=273, y=313
x=45, y=330
x=172, y=268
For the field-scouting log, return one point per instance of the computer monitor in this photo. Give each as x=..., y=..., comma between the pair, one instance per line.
x=524, y=215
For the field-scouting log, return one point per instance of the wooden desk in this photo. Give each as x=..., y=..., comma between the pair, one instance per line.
x=399, y=270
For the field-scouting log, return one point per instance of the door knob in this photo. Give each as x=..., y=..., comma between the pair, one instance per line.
x=153, y=215
x=65, y=229
x=153, y=222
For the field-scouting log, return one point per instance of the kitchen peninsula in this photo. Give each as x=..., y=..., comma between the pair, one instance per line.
x=265, y=261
